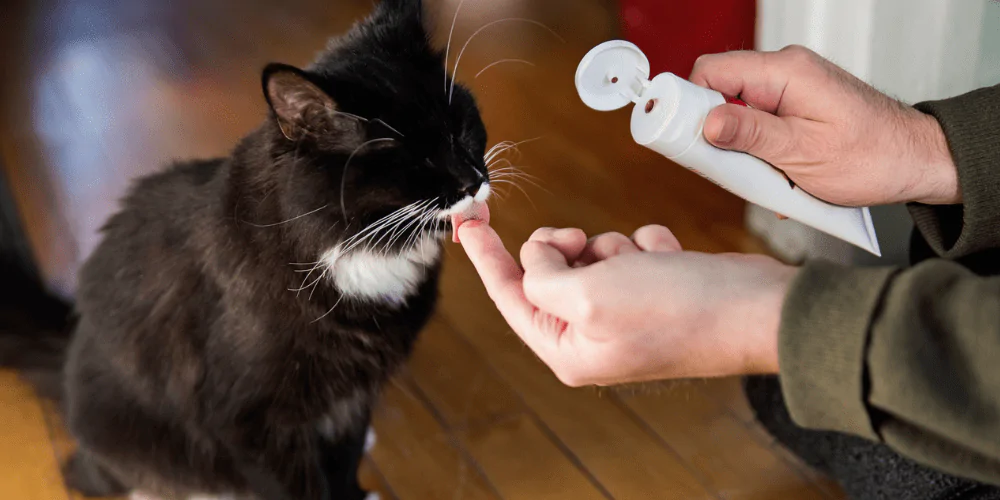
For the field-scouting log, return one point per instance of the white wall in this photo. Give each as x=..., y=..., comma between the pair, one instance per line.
x=914, y=50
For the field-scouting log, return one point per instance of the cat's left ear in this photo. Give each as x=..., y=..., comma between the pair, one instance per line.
x=301, y=107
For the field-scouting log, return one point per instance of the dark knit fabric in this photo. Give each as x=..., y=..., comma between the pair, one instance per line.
x=971, y=123
x=866, y=470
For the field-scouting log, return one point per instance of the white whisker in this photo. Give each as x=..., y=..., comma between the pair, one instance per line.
x=377, y=228
x=429, y=213
x=293, y=219
x=317, y=282
x=458, y=60
x=383, y=219
x=519, y=188
x=419, y=231
x=351, y=115
x=303, y=286
x=447, y=50
x=331, y=309
x=502, y=61
x=505, y=146
x=390, y=127
x=401, y=217
x=492, y=167
x=530, y=179
x=414, y=222
x=512, y=172
x=501, y=196
x=398, y=226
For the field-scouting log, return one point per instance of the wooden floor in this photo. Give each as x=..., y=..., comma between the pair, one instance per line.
x=98, y=91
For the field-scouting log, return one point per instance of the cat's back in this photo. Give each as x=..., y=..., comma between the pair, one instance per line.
x=149, y=253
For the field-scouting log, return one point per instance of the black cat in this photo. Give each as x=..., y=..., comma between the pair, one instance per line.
x=237, y=321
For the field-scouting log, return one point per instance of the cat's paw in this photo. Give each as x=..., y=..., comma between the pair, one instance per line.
x=370, y=440
x=373, y=496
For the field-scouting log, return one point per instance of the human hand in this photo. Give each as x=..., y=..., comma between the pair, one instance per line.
x=615, y=310
x=832, y=134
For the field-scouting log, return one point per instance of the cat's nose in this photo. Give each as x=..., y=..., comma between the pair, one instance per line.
x=472, y=189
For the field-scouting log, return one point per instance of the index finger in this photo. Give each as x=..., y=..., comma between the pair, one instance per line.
x=752, y=76
x=504, y=280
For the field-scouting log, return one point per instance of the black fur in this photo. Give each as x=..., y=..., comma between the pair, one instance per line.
x=193, y=368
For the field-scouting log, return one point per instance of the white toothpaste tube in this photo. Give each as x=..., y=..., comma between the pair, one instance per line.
x=668, y=118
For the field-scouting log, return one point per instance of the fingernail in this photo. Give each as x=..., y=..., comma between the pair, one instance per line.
x=564, y=233
x=727, y=132
x=627, y=248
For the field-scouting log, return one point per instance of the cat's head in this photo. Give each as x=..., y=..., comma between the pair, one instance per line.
x=372, y=132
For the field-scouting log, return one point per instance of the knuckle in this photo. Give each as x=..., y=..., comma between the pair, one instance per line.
x=588, y=308
x=798, y=54
x=704, y=60
x=532, y=287
x=753, y=136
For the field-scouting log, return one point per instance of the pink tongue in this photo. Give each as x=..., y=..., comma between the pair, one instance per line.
x=478, y=211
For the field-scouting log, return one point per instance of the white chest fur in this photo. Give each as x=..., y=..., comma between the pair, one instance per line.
x=379, y=277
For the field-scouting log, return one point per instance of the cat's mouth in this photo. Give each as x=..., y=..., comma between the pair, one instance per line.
x=468, y=209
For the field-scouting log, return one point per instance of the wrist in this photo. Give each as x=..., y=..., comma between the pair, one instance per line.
x=760, y=319
x=934, y=175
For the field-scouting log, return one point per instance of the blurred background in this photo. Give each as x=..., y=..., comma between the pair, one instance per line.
x=98, y=92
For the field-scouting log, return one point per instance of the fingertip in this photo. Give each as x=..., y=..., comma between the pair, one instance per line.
x=699, y=73
x=539, y=257
x=569, y=241
x=475, y=234
x=655, y=238
x=542, y=234
x=570, y=234
x=722, y=124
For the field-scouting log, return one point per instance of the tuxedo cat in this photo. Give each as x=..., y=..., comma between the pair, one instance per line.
x=237, y=320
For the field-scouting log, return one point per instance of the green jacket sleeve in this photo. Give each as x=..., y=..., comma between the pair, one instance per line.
x=971, y=124
x=911, y=357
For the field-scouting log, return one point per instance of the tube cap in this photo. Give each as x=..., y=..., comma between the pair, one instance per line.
x=612, y=75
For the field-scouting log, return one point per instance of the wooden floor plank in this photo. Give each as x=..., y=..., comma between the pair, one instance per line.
x=619, y=453
x=729, y=392
x=373, y=481
x=28, y=466
x=518, y=457
x=462, y=386
x=417, y=457
x=828, y=486
x=720, y=447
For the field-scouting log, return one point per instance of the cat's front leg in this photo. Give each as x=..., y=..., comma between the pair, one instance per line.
x=341, y=454
x=285, y=465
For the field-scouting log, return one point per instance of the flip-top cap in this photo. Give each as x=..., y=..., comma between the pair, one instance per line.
x=612, y=75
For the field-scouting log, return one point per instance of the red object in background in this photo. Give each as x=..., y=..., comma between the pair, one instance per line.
x=673, y=33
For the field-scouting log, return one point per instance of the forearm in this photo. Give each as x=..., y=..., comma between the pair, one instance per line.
x=903, y=357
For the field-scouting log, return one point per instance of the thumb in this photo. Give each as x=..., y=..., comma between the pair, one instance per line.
x=549, y=280
x=749, y=130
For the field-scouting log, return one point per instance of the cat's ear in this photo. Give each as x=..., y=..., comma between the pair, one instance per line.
x=300, y=106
